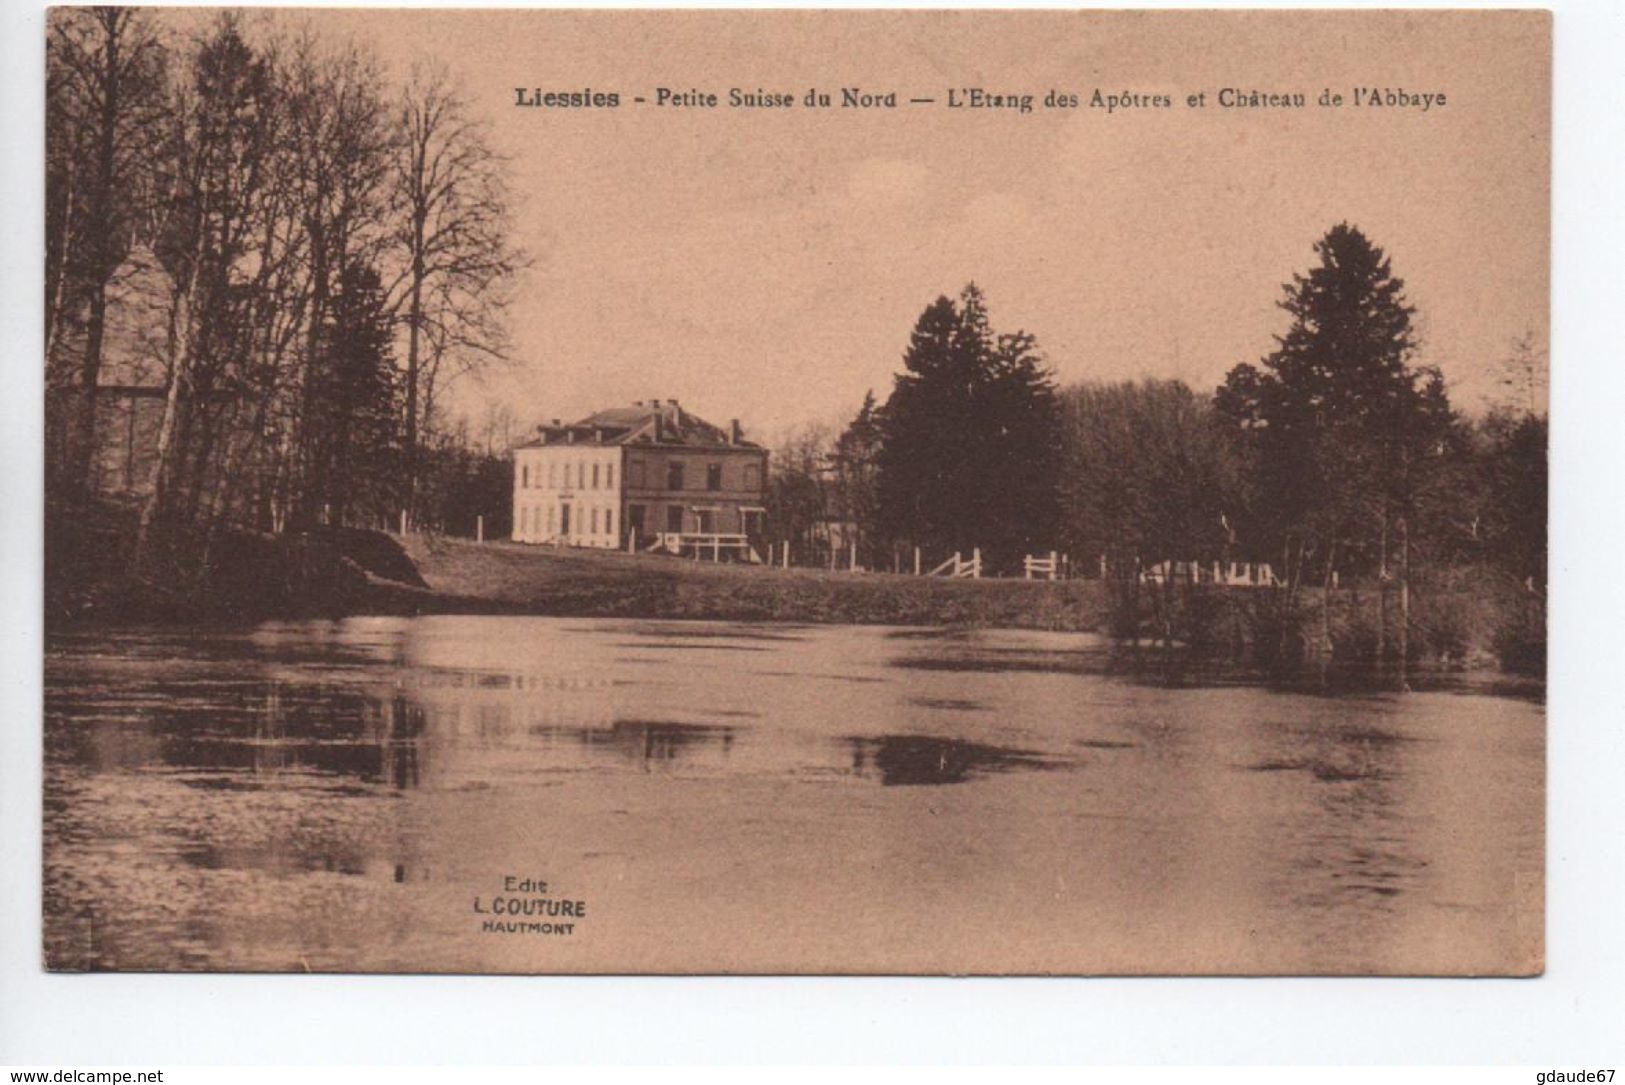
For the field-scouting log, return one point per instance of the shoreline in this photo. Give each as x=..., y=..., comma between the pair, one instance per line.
x=344, y=573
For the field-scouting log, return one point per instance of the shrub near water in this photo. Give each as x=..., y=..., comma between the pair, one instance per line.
x=1471, y=618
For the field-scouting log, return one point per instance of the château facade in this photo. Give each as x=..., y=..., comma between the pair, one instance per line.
x=648, y=475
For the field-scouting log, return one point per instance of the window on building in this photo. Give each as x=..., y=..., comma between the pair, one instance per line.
x=552, y=476
x=753, y=476
x=550, y=519
x=595, y=476
x=674, y=475
x=674, y=517
x=594, y=521
x=609, y=521
x=713, y=476
x=609, y=476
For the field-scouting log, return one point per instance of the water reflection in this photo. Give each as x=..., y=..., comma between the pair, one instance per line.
x=914, y=760
x=651, y=742
x=324, y=794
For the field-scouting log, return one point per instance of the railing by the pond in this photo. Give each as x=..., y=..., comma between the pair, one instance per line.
x=697, y=544
x=1234, y=574
x=959, y=567
x=1054, y=567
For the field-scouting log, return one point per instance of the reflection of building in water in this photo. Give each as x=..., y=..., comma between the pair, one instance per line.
x=646, y=741
x=489, y=726
x=649, y=474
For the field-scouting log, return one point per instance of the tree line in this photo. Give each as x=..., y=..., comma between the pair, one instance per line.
x=297, y=254
x=1337, y=458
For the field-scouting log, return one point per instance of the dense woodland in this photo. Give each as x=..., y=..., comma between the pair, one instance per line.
x=1337, y=458
x=292, y=250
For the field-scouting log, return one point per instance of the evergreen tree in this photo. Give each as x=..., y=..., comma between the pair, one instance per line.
x=356, y=410
x=1343, y=426
x=970, y=438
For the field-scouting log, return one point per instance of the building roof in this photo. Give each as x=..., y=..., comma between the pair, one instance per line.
x=658, y=423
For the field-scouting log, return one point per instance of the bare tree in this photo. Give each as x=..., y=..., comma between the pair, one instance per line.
x=105, y=101
x=340, y=139
x=451, y=235
x=216, y=169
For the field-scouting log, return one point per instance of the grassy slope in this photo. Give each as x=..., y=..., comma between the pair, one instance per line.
x=543, y=580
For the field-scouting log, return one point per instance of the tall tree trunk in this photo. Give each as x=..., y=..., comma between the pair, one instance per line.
x=1404, y=602
x=304, y=487
x=1326, y=601
x=57, y=287
x=101, y=241
x=84, y=445
x=179, y=367
x=414, y=325
x=1382, y=590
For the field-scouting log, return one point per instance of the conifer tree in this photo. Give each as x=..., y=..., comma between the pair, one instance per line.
x=355, y=426
x=1341, y=422
x=971, y=435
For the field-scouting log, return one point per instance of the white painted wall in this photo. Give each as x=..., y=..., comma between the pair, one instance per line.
x=584, y=478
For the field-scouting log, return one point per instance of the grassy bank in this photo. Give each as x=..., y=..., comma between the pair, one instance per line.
x=233, y=577
x=544, y=580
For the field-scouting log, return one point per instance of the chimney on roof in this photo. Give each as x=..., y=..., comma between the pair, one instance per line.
x=570, y=436
x=735, y=434
x=557, y=423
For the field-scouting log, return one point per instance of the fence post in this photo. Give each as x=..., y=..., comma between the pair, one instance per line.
x=479, y=528
x=403, y=522
x=916, y=561
x=786, y=553
x=852, y=562
x=976, y=562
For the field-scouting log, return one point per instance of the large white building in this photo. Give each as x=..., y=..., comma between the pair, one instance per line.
x=650, y=474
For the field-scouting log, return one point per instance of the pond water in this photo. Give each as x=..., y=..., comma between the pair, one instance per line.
x=545, y=795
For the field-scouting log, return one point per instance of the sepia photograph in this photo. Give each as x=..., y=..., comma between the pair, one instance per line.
x=796, y=492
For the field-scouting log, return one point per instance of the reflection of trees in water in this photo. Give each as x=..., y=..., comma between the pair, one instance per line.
x=649, y=742
x=1359, y=851
x=223, y=728
x=904, y=760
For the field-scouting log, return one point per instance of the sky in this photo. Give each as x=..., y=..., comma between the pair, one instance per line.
x=769, y=264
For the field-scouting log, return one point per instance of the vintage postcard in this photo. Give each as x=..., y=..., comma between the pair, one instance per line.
x=796, y=492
